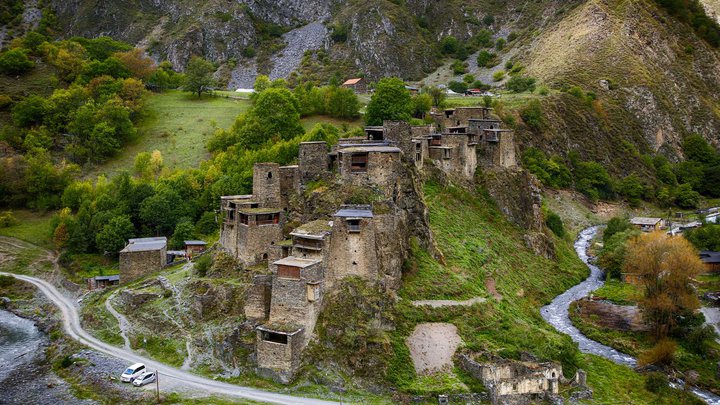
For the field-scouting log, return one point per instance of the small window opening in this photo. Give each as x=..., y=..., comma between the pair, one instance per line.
x=353, y=225
x=358, y=162
x=269, y=175
x=275, y=337
x=446, y=153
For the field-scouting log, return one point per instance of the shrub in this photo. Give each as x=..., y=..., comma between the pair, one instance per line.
x=662, y=354
x=554, y=222
x=656, y=382
x=206, y=224
x=686, y=197
x=339, y=33
x=543, y=91
x=532, y=115
x=615, y=225
x=700, y=339
x=500, y=44
x=499, y=75
x=468, y=78
x=512, y=36
x=5, y=102
x=486, y=59
x=15, y=62
x=203, y=264
x=520, y=84
x=457, y=87
x=7, y=219
x=458, y=67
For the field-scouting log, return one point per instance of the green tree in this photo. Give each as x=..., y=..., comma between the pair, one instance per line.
x=593, y=180
x=437, y=95
x=696, y=148
x=184, y=230
x=486, y=59
x=198, y=76
x=615, y=225
x=276, y=114
x=15, y=62
x=114, y=235
x=391, y=101
x=421, y=104
x=632, y=188
x=686, y=197
x=457, y=87
x=520, y=84
x=707, y=237
x=554, y=222
x=207, y=224
x=342, y=103
x=533, y=116
x=161, y=211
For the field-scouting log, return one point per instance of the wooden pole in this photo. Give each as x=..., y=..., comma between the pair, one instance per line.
x=157, y=385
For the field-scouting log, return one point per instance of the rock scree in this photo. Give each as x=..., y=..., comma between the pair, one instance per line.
x=432, y=346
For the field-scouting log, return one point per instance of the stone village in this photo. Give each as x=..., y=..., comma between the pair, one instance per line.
x=305, y=262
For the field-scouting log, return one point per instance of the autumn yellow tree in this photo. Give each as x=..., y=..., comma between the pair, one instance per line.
x=666, y=266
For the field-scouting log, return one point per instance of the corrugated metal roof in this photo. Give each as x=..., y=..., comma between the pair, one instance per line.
x=645, y=221
x=195, y=242
x=145, y=244
x=354, y=213
x=370, y=149
x=115, y=277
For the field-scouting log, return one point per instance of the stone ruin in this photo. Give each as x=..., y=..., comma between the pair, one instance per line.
x=367, y=241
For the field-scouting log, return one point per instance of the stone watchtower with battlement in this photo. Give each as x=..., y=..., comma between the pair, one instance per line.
x=266, y=185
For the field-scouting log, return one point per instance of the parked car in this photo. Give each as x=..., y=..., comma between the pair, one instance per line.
x=132, y=372
x=146, y=378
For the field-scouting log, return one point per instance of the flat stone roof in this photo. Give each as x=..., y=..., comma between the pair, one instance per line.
x=497, y=130
x=371, y=149
x=237, y=197
x=289, y=167
x=315, y=229
x=484, y=119
x=115, y=277
x=442, y=147
x=296, y=262
x=259, y=210
x=288, y=329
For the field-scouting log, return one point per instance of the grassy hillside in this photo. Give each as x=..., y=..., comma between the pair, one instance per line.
x=178, y=125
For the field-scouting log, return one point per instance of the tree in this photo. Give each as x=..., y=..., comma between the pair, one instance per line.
x=437, y=94
x=15, y=62
x=532, y=115
x=696, y=148
x=520, y=84
x=632, y=188
x=391, y=101
x=421, y=104
x=554, y=222
x=457, y=87
x=686, y=197
x=342, y=103
x=137, y=63
x=615, y=225
x=113, y=236
x=184, y=230
x=161, y=211
x=198, y=76
x=665, y=265
x=707, y=237
x=275, y=114
x=486, y=59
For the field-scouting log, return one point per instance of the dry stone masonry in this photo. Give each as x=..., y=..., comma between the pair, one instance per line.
x=368, y=241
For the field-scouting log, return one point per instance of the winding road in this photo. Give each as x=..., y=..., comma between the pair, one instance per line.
x=557, y=314
x=71, y=324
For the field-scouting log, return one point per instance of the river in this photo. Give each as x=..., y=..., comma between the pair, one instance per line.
x=557, y=314
x=20, y=339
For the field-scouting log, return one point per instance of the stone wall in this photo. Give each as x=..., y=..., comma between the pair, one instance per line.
x=500, y=153
x=353, y=253
x=290, y=303
x=463, y=157
x=313, y=161
x=253, y=241
x=134, y=265
x=276, y=360
x=289, y=184
x=382, y=171
x=266, y=185
x=257, y=301
x=399, y=133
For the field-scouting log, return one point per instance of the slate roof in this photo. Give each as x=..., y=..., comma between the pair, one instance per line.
x=645, y=221
x=350, y=82
x=710, y=257
x=145, y=244
x=354, y=212
x=296, y=262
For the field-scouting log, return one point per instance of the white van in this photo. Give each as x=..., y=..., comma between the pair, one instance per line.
x=132, y=372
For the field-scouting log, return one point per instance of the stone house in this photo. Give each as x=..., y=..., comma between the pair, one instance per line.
x=368, y=165
x=358, y=85
x=648, y=224
x=711, y=260
x=102, y=281
x=142, y=256
x=278, y=350
x=451, y=117
x=516, y=382
x=352, y=246
x=194, y=247
x=497, y=148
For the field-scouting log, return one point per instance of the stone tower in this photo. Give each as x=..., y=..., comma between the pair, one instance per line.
x=266, y=185
x=313, y=161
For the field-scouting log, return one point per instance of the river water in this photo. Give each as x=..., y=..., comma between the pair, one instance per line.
x=20, y=340
x=557, y=314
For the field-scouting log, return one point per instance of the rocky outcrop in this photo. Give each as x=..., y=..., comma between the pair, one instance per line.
x=518, y=195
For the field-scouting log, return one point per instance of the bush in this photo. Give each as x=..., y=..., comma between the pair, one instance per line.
x=457, y=87
x=486, y=59
x=15, y=62
x=339, y=33
x=5, y=102
x=512, y=36
x=458, y=67
x=532, y=115
x=206, y=224
x=7, y=219
x=662, y=354
x=656, y=382
x=615, y=225
x=468, y=78
x=554, y=222
x=499, y=75
x=500, y=44
x=520, y=84
x=686, y=197
x=203, y=264
x=699, y=340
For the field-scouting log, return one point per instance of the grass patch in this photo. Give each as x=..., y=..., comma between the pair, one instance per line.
x=97, y=320
x=167, y=350
x=619, y=293
x=33, y=227
x=309, y=122
x=178, y=125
